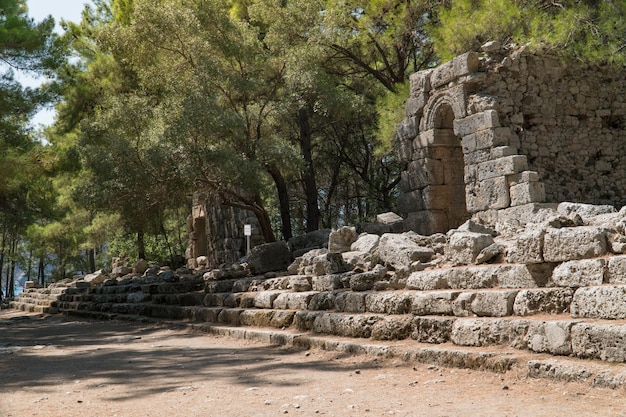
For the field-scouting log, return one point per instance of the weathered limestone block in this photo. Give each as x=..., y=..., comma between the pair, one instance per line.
x=293, y=300
x=605, y=302
x=427, y=222
x=492, y=193
x=388, y=302
x=486, y=139
x=393, y=328
x=365, y=243
x=507, y=165
x=302, y=244
x=552, y=337
x=464, y=247
x=487, y=331
x=303, y=320
x=340, y=240
x=265, y=299
x=326, y=282
x=461, y=65
x=231, y=301
x=579, y=273
x=491, y=252
x=543, y=300
x=442, y=197
x=432, y=329
x=493, y=303
x=219, y=286
x=390, y=218
x=300, y=283
x=138, y=297
x=528, y=248
x=479, y=121
x=282, y=319
x=230, y=316
x=268, y=257
x=428, y=280
x=529, y=192
x=474, y=277
x=259, y=318
x=364, y=281
x=407, y=131
x=410, y=201
x=318, y=262
x=606, y=342
x=344, y=325
x=524, y=214
x=584, y=210
x=208, y=315
x=350, y=302
x=400, y=251
x=617, y=270
x=572, y=243
x=420, y=82
x=97, y=277
x=433, y=303
x=322, y=301
x=462, y=305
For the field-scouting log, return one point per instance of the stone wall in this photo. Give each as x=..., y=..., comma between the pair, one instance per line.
x=216, y=232
x=509, y=128
x=571, y=122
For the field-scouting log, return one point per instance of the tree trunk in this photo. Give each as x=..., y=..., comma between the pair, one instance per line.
x=167, y=243
x=308, y=176
x=2, y=251
x=91, y=254
x=264, y=220
x=141, y=245
x=11, y=278
x=41, y=275
x=283, y=200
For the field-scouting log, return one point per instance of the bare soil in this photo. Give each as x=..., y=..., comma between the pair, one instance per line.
x=57, y=366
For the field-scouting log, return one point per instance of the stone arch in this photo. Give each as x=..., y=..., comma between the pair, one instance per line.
x=444, y=196
x=453, y=101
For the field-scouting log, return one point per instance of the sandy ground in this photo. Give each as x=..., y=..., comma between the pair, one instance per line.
x=55, y=366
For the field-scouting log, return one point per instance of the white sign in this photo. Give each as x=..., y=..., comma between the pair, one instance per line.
x=247, y=230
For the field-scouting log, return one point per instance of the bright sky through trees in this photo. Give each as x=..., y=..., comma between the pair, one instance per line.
x=39, y=10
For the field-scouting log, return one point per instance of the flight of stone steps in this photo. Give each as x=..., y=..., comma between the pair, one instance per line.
x=484, y=315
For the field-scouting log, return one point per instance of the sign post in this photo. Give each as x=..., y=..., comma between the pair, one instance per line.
x=247, y=231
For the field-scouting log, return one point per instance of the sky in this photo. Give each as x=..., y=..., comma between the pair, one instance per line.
x=59, y=9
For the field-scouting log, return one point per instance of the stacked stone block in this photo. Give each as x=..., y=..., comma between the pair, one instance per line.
x=461, y=158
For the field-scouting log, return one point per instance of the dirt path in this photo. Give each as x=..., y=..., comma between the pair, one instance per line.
x=62, y=367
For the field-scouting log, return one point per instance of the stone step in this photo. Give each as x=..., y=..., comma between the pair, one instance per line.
x=490, y=302
x=34, y=301
x=553, y=334
x=481, y=276
x=491, y=358
x=33, y=308
x=151, y=288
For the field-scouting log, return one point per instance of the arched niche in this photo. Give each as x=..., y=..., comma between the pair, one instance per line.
x=444, y=196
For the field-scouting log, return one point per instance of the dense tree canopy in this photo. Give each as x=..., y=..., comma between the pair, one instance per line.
x=591, y=30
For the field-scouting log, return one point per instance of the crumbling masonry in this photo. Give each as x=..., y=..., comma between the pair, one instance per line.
x=506, y=130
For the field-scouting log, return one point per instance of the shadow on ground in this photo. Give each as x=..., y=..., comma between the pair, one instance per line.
x=44, y=352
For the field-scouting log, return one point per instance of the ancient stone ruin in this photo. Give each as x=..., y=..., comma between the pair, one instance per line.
x=493, y=135
x=486, y=270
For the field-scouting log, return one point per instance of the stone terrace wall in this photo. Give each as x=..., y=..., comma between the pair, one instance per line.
x=509, y=128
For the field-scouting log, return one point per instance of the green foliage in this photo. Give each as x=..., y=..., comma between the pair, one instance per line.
x=390, y=108
x=593, y=30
